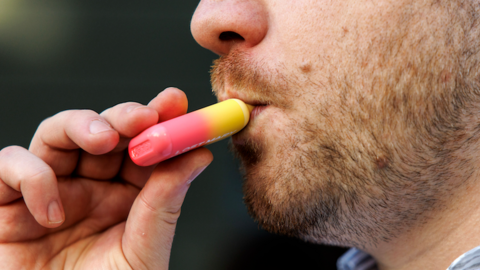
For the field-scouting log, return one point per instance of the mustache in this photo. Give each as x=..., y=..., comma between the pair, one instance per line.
x=236, y=72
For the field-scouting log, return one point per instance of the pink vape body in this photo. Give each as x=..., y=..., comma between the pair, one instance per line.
x=189, y=131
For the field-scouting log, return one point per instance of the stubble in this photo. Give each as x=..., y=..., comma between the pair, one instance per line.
x=384, y=153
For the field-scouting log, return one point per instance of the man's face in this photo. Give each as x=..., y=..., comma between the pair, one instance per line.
x=359, y=117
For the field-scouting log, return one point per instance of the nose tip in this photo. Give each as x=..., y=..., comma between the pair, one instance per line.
x=221, y=26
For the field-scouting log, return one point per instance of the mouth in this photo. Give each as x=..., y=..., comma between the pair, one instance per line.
x=259, y=106
x=246, y=134
x=257, y=111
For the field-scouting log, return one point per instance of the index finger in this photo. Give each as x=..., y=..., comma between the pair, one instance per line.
x=130, y=119
x=59, y=137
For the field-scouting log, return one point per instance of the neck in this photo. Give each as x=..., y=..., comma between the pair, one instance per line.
x=437, y=243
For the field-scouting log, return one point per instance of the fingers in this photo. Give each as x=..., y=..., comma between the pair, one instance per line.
x=91, y=206
x=75, y=129
x=57, y=139
x=103, y=167
x=55, y=152
x=151, y=223
x=134, y=174
x=8, y=194
x=24, y=172
x=170, y=103
x=130, y=118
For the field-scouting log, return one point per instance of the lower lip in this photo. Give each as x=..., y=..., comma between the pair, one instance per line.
x=257, y=111
x=237, y=139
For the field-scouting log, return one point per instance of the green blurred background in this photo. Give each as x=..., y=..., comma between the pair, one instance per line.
x=57, y=55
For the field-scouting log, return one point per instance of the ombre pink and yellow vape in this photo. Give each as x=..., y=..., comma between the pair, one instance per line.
x=189, y=131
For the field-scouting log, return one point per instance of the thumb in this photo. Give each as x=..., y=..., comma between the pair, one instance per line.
x=150, y=227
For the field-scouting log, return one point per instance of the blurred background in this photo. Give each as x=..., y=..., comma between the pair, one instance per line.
x=57, y=55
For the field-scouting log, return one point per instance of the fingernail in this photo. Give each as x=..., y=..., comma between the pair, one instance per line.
x=195, y=173
x=97, y=126
x=54, y=213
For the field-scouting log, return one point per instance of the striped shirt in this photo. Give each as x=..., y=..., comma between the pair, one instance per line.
x=355, y=259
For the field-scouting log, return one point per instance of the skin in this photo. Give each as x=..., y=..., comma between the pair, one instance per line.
x=365, y=134
x=127, y=223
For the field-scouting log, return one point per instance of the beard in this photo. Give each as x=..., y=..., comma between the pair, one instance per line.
x=378, y=149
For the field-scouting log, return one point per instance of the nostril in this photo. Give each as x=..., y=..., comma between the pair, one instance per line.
x=229, y=35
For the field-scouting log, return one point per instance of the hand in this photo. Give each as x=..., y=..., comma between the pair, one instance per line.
x=76, y=200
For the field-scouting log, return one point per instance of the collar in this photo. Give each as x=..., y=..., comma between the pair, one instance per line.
x=355, y=259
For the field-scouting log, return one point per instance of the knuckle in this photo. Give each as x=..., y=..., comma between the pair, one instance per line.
x=146, y=203
x=54, y=117
x=168, y=215
x=31, y=177
x=117, y=109
x=50, y=121
x=37, y=175
x=10, y=150
x=80, y=115
x=43, y=123
x=69, y=116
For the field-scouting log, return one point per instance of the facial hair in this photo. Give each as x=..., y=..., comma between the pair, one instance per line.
x=383, y=153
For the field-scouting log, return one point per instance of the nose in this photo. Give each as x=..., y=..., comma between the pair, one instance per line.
x=224, y=25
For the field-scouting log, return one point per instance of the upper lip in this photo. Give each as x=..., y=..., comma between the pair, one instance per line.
x=230, y=94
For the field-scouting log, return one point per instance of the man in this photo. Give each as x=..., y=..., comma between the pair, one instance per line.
x=365, y=135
